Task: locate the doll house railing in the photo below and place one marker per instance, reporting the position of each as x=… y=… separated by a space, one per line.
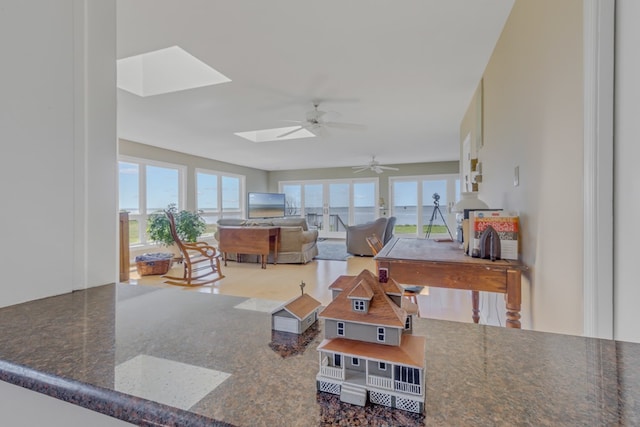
x=331 y=372
x=380 y=382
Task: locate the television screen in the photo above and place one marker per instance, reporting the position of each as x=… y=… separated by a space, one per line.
x=265 y=205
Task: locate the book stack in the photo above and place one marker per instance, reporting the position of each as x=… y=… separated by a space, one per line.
x=506 y=223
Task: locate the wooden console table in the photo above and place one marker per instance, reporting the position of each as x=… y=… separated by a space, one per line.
x=249 y=240
x=443 y=264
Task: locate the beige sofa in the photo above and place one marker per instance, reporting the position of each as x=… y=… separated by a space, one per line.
x=298 y=244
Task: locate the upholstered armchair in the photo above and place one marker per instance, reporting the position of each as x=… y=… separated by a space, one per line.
x=357 y=236
x=388 y=231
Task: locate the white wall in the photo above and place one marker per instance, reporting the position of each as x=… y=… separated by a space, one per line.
x=533 y=119
x=58 y=132
x=626 y=175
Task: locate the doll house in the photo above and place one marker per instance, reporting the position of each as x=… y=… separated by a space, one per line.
x=369 y=352
x=296 y=315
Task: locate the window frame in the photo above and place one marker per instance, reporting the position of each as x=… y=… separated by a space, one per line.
x=214 y=215
x=359 y=305
x=452 y=195
x=340 y=329
x=324 y=211
x=381 y=332
x=143 y=211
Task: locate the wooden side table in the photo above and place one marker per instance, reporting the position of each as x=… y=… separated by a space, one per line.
x=425 y=262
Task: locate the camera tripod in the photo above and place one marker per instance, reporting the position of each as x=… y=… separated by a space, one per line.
x=434 y=214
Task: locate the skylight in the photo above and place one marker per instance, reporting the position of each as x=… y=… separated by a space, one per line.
x=164 y=71
x=266 y=135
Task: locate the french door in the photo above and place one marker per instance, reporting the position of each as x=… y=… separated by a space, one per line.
x=422 y=205
x=330 y=205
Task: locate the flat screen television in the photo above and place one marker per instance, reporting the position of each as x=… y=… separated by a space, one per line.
x=265 y=205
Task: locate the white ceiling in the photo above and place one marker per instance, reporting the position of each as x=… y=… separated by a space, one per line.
x=405 y=69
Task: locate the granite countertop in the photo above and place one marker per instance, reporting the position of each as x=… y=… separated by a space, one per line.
x=220 y=362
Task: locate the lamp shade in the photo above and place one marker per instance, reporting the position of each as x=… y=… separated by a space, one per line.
x=469 y=201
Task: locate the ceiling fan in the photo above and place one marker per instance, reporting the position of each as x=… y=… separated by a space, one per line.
x=315 y=123
x=373 y=165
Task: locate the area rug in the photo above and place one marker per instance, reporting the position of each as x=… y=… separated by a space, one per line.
x=335 y=250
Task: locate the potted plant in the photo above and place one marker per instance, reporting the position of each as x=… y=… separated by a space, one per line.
x=189 y=226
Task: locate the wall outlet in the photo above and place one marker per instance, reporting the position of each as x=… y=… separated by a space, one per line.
x=516 y=176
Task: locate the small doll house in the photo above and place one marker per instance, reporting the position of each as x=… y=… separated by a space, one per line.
x=369 y=352
x=296 y=315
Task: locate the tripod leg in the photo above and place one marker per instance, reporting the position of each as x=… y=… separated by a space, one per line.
x=445 y=223
x=433 y=216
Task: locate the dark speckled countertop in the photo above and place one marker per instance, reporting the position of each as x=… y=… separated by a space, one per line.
x=69 y=347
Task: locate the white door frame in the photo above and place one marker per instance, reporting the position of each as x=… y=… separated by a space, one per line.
x=599 y=23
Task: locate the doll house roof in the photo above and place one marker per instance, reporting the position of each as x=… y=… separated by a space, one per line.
x=411 y=352
x=382 y=310
x=361 y=291
x=300 y=307
x=391 y=287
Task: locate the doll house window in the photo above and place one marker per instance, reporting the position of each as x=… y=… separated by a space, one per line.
x=340 y=330
x=381 y=335
x=358 y=305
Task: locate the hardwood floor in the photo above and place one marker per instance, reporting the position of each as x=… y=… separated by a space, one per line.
x=282 y=282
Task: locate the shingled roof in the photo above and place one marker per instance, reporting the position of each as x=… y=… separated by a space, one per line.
x=300 y=307
x=361 y=291
x=410 y=352
x=382 y=311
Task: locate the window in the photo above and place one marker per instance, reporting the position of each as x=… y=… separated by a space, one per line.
x=406 y=374
x=163 y=187
x=337 y=360
x=293 y=199
x=146 y=187
x=414 y=205
x=381 y=334
x=355 y=361
x=382 y=366
x=341 y=328
x=219 y=195
x=358 y=305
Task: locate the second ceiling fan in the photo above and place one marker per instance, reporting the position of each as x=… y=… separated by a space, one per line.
x=374 y=166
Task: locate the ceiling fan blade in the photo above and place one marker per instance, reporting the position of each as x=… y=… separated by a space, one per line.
x=388 y=168
x=293 y=121
x=348 y=126
x=320 y=131
x=359 y=169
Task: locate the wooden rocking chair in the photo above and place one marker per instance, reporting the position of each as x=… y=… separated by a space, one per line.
x=201 y=261
x=374 y=243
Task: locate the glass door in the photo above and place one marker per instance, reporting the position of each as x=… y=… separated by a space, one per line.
x=329 y=206
x=336 y=213
x=422 y=205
